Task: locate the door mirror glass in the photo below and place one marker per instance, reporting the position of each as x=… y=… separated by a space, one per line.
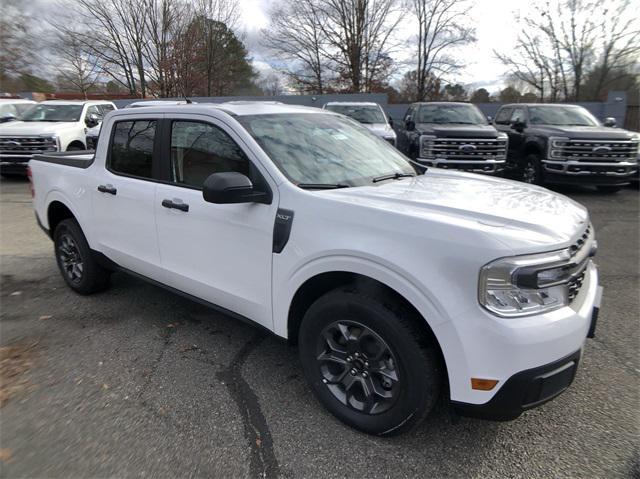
x=610 y=122
x=489 y=118
x=231 y=187
x=391 y=122
x=92 y=120
x=410 y=125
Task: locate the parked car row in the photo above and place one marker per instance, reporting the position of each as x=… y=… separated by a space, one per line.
x=536 y=143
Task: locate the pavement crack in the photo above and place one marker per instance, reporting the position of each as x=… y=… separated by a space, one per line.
x=263 y=459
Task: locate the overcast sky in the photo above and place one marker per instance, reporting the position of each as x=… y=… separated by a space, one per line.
x=496 y=28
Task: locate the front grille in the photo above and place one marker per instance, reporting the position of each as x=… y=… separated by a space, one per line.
x=26 y=145
x=575 y=283
x=599 y=151
x=469 y=149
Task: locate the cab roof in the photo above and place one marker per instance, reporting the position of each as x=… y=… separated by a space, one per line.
x=75 y=102
x=235 y=108
x=352 y=103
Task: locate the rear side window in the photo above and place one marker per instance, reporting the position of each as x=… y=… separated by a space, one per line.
x=131 y=151
x=502 y=118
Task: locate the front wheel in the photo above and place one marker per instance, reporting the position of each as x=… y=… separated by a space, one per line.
x=368 y=362
x=75 y=260
x=531 y=170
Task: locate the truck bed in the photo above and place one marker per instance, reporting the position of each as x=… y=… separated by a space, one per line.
x=76 y=159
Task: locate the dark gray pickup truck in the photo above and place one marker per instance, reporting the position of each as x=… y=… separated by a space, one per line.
x=551 y=143
x=452 y=135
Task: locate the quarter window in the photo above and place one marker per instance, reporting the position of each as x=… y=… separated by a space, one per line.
x=200 y=149
x=131 y=151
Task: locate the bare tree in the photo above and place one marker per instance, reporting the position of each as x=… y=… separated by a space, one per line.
x=271 y=84
x=77 y=67
x=441 y=27
x=296 y=37
x=359 y=37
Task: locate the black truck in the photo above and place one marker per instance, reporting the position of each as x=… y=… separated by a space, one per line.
x=553 y=143
x=452 y=135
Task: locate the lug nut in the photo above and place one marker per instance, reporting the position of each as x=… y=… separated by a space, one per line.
x=325 y=381
x=365 y=374
x=349 y=359
x=353 y=372
x=366 y=364
x=357 y=355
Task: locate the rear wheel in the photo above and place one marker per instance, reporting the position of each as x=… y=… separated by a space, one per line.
x=75 y=260
x=368 y=363
x=531 y=170
x=608 y=189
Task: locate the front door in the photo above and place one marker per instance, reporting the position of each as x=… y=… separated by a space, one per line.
x=221 y=253
x=123 y=198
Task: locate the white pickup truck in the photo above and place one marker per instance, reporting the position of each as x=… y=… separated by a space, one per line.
x=397 y=288
x=53 y=125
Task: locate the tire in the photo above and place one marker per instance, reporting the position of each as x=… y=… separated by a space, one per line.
x=75 y=148
x=531 y=170
x=405 y=352
x=609 y=190
x=78 y=267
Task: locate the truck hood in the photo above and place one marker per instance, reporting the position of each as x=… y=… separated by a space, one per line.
x=36 y=127
x=520 y=216
x=457 y=131
x=583 y=132
x=380 y=129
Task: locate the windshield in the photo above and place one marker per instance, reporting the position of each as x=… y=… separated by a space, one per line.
x=561 y=116
x=362 y=113
x=452 y=113
x=324 y=149
x=53 y=113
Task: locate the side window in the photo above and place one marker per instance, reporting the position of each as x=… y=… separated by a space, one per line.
x=409 y=114
x=518 y=114
x=131 y=150
x=106 y=108
x=200 y=149
x=502 y=118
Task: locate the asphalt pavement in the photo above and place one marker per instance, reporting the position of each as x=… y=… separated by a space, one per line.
x=139 y=382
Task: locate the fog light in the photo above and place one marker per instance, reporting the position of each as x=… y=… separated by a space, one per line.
x=483 y=384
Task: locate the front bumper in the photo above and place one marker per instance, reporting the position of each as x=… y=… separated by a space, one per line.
x=525 y=355
x=596 y=173
x=14 y=165
x=525 y=390
x=490 y=167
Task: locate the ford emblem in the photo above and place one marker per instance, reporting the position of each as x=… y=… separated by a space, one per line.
x=467 y=148
x=602 y=149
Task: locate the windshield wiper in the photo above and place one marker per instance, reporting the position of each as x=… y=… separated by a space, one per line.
x=321 y=186
x=393 y=176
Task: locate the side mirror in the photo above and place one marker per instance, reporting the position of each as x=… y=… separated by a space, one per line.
x=610 y=122
x=489 y=118
x=391 y=122
x=410 y=125
x=92 y=120
x=518 y=125
x=7 y=118
x=232 y=187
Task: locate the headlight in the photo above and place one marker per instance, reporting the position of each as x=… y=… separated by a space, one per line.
x=426 y=146
x=502 y=136
x=556 y=147
x=53 y=142
x=530 y=284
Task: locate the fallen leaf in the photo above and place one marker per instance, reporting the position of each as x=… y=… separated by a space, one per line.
x=16 y=293
x=258 y=442
x=44 y=317
x=5 y=455
x=105 y=386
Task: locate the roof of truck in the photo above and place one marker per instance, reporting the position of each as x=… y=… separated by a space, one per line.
x=235 y=108
x=352 y=103
x=75 y=102
x=512 y=105
x=15 y=100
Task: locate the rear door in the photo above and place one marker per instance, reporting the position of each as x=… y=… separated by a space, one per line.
x=124 y=194
x=221 y=253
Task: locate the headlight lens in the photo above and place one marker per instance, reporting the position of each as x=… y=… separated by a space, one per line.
x=426 y=146
x=524 y=285
x=556 y=147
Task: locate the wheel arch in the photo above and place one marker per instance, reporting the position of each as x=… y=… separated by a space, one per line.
x=76 y=143
x=532 y=147
x=319 y=284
